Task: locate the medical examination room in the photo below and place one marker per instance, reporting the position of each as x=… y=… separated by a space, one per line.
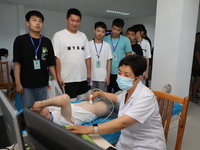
x=99 y=75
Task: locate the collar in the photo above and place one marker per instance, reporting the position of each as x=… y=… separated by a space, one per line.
x=136 y=91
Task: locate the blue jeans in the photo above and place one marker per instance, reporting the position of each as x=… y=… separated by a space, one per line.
x=31 y=95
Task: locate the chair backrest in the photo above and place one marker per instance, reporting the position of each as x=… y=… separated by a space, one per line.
x=4 y=73
x=166 y=102
x=5 y=80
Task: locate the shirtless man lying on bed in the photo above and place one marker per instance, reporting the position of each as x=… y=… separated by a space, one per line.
x=66 y=113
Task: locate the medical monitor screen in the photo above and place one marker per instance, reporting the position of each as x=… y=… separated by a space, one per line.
x=12 y=121
x=48 y=135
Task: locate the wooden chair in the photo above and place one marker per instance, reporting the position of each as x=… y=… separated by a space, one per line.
x=165 y=102
x=5 y=80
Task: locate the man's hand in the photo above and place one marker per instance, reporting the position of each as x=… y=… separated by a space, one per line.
x=89 y=80
x=19 y=89
x=146 y=75
x=61 y=83
x=107 y=81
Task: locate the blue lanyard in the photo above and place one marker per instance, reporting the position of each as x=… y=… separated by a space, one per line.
x=140 y=42
x=98 y=54
x=36 y=49
x=114 y=47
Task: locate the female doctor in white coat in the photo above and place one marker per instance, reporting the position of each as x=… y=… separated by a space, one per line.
x=138 y=118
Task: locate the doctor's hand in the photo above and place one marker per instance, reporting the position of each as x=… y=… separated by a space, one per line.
x=81 y=129
x=93 y=95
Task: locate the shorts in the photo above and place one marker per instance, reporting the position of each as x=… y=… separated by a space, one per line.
x=74 y=89
x=196 y=72
x=79 y=116
x=110 y=108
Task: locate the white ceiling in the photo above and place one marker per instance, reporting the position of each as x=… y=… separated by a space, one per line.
x=95 y=8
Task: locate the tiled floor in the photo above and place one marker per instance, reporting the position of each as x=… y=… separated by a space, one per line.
x=191 y=139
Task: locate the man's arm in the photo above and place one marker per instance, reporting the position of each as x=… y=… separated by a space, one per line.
x=128 y=53
x=88 y=66
x=19 y=88
x=62 y=101
x=107 y=80
x=58 y=73
x=53 y=72
x=147 y=69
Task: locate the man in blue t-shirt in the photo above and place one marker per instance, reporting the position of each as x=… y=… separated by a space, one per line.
x=121 y=47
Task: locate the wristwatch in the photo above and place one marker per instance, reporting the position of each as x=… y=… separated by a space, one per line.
x=95 y=128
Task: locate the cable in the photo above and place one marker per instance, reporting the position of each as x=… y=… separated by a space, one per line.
x=96 y=89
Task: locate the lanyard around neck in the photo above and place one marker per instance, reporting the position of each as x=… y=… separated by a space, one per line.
x=98 y=52
x=140 y=42
x=114 y=46
x=36 y=49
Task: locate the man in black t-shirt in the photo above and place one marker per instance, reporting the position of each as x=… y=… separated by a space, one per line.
x=131 y=35
x=33 y=57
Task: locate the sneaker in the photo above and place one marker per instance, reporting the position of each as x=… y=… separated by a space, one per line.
x=195 y=98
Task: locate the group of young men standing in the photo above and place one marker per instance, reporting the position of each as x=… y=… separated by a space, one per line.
x=74 y=62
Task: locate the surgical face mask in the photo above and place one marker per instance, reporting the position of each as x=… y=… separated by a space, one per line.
x=124 y=83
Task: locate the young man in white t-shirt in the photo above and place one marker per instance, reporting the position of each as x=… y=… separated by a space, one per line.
x=101 y=55
x=73 y=60
x=145 y=48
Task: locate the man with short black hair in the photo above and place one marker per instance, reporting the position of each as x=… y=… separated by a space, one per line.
x=132 y=34
x=33 y=55
x=146 y=49
x=121 y=47
x=73 y=60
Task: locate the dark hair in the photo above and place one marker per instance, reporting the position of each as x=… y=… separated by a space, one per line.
x=145 y=31
x=3 y=52
x=100 y=24
x=136 y=28
x=34 y=13
x=197 y=33
x=137 y=63
x=118 y=23
x=142 y=27
x=73 y=11
x=130 y=29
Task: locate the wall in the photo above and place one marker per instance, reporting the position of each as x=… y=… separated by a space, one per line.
x=8 y=27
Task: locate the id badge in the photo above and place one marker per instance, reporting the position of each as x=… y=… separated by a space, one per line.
x=36 y=64
x=98 y=64
x=114 y=57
